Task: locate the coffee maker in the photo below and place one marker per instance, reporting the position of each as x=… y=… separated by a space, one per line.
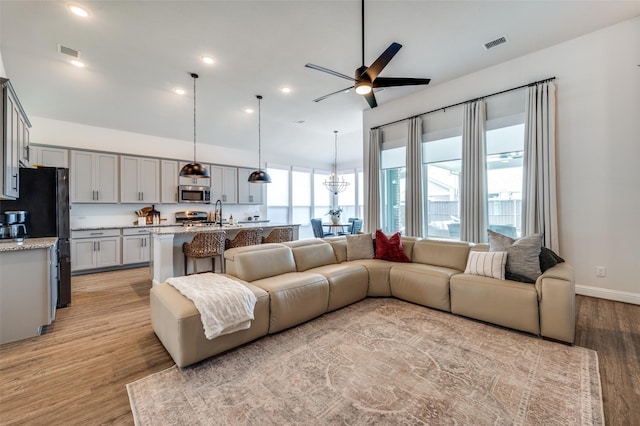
x=13 y=226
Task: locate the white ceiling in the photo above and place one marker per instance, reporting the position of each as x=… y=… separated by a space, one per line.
x=137 y=52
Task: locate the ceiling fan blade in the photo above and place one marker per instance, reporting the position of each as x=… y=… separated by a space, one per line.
x=371 y=99
x=399 y=81
x=331 y=94
x=382 y=61
x=328 y=71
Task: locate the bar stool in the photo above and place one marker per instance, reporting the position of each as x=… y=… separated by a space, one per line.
x=279 y=235
x=203 y=245
x=245 y=237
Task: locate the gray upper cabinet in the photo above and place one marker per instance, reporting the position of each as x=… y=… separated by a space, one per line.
x=248 y=193
x=224 y=184
x=49 y=156
x=139 y=180
x=169 y=181
x=93 y=177
x=14 y=130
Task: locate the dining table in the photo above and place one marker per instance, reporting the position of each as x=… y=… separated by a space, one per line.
x=336 y=227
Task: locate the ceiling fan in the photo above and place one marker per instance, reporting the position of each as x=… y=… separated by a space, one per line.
x=366 y=78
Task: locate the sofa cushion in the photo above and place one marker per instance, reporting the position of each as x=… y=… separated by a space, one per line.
x=390 y=248
x=426 y=285
x=523 y=253
x=448 y=254
x=295 y=297
x=311 y=253
x=359 y=247
x=255 y=262
x=339 y=245
x=487 y=264
x=348 y=283
x=378 y=276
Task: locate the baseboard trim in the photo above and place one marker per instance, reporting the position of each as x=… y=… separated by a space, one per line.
x=603 y=293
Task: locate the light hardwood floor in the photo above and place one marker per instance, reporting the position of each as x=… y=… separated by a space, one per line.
x=76 y=373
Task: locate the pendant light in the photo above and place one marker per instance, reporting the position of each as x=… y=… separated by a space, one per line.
x=194 y=170
x=259 y=176
x=334 y=183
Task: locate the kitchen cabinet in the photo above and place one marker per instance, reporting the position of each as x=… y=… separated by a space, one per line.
x=169 y=181
x=139 y=180
x=135 y=246
x=224 y=184
x=14 y=130
x=95 y=249
x=192 y=181
x=49 y=156
x=248 y=193
x=94 y=177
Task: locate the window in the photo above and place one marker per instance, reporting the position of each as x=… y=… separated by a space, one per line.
x=504 y=178
x=301 y=201
x=278 y=196
x=393 y=184
x=347 y=198
x=321 y=195
x=441 y=173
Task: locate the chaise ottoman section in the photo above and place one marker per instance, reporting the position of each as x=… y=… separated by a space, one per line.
x=508 y=303
x=295 y=297
x=425 y=285
x=176 y=322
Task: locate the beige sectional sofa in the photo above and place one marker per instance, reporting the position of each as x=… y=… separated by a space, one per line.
x=301 y=280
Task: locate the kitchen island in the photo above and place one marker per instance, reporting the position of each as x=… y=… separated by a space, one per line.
x=28 y=288
x=167 y=259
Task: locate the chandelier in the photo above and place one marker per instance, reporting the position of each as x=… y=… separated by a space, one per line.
x=335 y=183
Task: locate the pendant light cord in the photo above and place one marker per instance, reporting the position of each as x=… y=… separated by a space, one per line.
x=335 y=156
x=195 y=76
x=259 y=135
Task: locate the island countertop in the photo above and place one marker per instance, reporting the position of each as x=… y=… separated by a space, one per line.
x=178 y=229
x=28 y=244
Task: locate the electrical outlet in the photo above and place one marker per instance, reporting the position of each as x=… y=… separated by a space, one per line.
x=601 y=271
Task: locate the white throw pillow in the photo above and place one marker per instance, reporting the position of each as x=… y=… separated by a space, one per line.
x=487 y=264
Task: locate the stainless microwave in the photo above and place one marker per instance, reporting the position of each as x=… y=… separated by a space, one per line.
x=194 y=194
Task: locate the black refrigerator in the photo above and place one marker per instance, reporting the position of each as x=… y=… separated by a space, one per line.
x=44 y=194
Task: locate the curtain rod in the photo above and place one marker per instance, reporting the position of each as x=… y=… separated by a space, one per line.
x=464 y=102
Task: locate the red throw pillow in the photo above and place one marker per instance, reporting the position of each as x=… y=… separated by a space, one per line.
x=390 y=248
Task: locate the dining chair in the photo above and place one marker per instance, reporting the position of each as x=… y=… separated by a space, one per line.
x=318 y=232
x=203 y=245
x=356 y=226
x=350 y=228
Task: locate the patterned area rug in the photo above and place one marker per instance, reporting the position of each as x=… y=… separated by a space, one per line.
x=380 y=361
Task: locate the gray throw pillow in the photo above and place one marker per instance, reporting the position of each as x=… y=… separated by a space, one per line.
x=523 y=253
x=360 y=246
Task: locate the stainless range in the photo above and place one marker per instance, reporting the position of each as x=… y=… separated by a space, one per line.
x=194 y=218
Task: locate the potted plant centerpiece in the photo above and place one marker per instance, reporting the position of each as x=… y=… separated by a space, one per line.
x=335 y=215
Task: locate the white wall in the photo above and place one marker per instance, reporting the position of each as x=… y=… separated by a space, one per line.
x=598 y=101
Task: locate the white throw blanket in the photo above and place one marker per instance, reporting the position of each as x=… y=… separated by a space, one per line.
x=224 y=304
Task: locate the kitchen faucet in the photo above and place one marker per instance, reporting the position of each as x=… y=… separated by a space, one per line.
x=216 y=208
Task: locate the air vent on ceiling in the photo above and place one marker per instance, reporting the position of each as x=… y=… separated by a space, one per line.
x=493 y=43
x=68 y=51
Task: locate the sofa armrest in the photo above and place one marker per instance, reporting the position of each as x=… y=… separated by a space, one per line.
x=556 y=300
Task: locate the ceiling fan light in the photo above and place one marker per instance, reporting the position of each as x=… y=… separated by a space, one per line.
x=363 y=88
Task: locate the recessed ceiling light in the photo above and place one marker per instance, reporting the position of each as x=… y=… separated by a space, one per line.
x=285 y=90
x=207 y=60
x=179 y=91
x=78 y=10
x=77 y=63
x=248 y=110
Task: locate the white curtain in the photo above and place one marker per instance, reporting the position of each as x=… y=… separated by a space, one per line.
x=372 y=220
x=413 y=206
x=539 y=204
x=473 y=182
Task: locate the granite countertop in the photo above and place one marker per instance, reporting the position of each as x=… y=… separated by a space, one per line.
x=214 y=228
x=93 y=228
x=27 y=244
